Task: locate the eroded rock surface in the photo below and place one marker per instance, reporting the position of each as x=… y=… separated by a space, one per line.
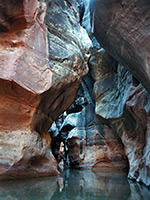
x=42 y=62
x=91 y=144
x=122 y=28
x=123 y=104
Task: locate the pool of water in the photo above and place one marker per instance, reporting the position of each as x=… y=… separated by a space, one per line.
x=75 y=185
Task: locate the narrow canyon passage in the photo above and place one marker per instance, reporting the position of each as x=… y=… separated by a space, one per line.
x=74 y=99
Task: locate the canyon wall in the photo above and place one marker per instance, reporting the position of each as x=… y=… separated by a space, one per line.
x=91 y=144
x=122 y=28
x=44 y=54
x=120 y=75
x=43 y=57
x=123 y=104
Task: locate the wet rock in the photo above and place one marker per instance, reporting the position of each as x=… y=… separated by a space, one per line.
x=122 y=28
x=42 y=62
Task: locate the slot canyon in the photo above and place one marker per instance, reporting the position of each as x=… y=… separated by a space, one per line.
x=74 y=95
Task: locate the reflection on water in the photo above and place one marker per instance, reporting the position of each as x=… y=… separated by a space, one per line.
x=75 y=185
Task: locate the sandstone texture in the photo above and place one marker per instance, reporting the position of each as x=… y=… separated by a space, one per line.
x=123 y=104
x=121 y=96
x=91 y=144
x=43 y=57
x=122 y=28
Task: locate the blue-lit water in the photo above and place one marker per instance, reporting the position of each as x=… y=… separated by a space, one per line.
x=75 y=185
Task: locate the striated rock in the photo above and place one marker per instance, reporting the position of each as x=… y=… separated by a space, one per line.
x=24 y=155
x=91 y=144
x=122 y=28
x=41 y=67
x=138 y=153
x=69 y=47
x=123 y=104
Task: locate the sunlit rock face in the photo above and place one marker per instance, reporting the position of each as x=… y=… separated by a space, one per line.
x=123 y=104
x=43 y=57
x=122 y=27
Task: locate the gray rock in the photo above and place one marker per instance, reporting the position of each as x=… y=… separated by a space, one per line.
x=122 y=28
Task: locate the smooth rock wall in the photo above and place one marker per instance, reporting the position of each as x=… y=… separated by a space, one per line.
x=122 y=28
x=123 y=104
x=43 y=57
x=91 y=144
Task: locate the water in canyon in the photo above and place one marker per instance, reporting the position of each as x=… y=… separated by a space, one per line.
x=75 y=185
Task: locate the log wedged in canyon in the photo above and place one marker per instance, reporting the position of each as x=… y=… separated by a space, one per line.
x=41 y=67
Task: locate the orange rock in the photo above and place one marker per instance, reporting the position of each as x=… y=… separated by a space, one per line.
x=31 y=94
